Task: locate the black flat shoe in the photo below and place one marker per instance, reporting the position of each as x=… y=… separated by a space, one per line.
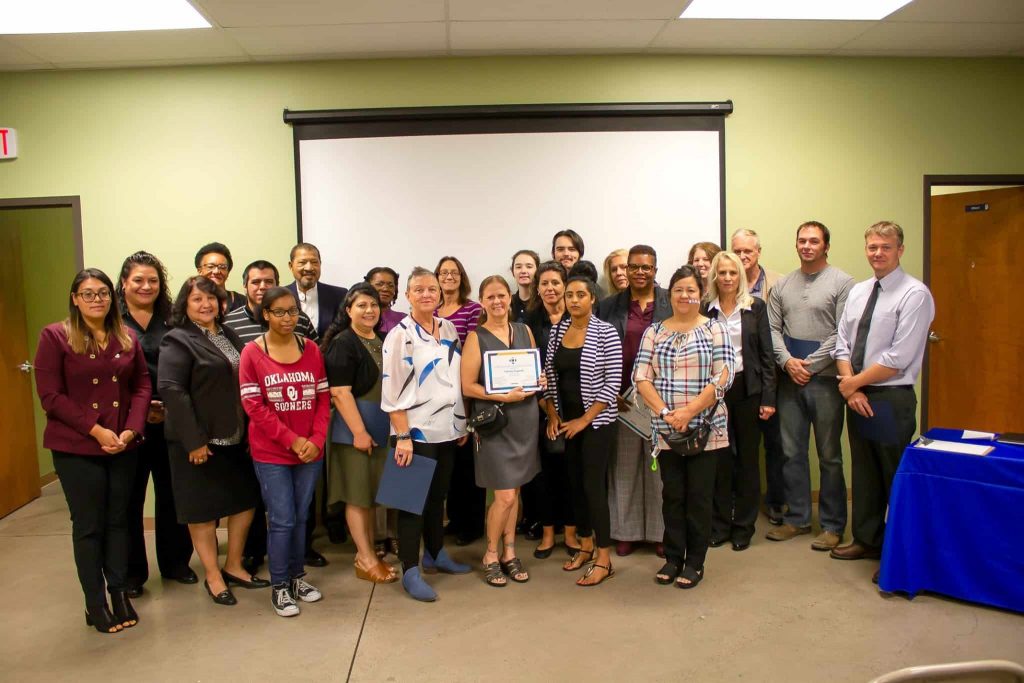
x=314 y=559
x=740 y=547
x=543 y=553
x=134 y=591
x=100 y=618
x=186 y=576
x=225 y=597
x=125 y=614
x=253 y=581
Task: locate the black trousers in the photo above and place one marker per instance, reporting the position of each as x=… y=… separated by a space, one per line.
x=876 y=457
x=738 y=474
x=98 y=489
x=466 y=500
x=775 y=496
x=689 y=482
x=429 y=525
x=587 y=456
x=173 y=543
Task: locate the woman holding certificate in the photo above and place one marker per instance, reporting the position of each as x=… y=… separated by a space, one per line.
x=583 y=364
x=506 y=456
x=421 y=390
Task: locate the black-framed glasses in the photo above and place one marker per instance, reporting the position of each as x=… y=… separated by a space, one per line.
x=292 y=312
x=644 y=268
x=88 y=296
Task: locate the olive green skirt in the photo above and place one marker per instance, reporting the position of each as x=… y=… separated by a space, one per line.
x=353 y=475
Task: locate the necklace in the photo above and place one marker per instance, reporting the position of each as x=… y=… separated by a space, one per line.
x=580 y=327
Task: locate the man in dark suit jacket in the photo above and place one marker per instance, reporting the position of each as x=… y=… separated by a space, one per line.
x=635 y=491
x=318 y=300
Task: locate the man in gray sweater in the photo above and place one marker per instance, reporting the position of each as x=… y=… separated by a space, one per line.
x=804 y=308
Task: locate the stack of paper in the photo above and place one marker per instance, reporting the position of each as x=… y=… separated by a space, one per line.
x=954 y=447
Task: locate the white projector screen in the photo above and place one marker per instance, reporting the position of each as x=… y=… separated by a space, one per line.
x=407 y=200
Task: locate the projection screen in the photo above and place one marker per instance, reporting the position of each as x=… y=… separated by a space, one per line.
x=405 y=187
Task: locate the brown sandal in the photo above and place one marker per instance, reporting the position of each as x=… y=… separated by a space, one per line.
x=576 y=562
x=590 y=570
x=379 y=573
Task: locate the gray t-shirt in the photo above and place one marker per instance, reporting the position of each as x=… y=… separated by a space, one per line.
x=807 y=308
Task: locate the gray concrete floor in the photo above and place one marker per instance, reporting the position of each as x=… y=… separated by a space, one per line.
x=777 y=612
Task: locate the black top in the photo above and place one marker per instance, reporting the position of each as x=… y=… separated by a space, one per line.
x=349 y=364
x=615 y=309
x=199 y=387
x=518 y=309
x=149 y=340
x=758 y=354
x=539 y=323
x=567 y=365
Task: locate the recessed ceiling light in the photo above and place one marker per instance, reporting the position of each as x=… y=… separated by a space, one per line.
x=90 y=16
x=863 y=10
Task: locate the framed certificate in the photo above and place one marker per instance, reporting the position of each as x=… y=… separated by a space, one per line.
x=506 y=370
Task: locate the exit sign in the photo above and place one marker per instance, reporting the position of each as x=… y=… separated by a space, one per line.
x=8 y=143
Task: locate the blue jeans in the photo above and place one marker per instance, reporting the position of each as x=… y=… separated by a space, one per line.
x=820 y=404
x=287 y=491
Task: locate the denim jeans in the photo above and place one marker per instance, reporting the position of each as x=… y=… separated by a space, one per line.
x=287 y=490
x=818 y=404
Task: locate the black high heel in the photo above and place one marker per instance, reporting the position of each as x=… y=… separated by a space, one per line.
x=100 y=618
x=123 y=610
x=225 y=597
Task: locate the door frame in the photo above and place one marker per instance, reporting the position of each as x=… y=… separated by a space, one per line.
x=931 y=181
x=74 y=202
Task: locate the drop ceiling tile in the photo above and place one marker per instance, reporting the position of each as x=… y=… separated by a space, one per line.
x=557 y=35
x=341 y=39
x=729 y=34
x=252 y=13
x=995 y=11
x=128 y=46
x=562 y=10
x=12 y=56
x=949 y=38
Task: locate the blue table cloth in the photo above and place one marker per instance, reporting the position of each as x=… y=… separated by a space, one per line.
x=956 y=524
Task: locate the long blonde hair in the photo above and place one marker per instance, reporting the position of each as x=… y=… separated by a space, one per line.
x=79 y=338
x=743 y=297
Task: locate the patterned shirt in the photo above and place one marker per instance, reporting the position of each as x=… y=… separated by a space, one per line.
x=244 y=324
x=422 y=376
x=465 y=319
x=225 y=346
x=600 y=368
x=681 y=365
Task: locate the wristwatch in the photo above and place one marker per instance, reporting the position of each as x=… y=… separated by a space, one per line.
x=403 y=436
x=664 y=411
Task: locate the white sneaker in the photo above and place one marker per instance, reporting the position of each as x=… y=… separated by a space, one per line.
x=305 y=591
x=284 y=603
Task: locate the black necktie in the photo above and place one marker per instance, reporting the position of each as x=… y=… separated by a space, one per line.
x=863 y=327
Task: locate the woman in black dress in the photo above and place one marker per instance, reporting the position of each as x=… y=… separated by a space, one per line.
x=212 y=474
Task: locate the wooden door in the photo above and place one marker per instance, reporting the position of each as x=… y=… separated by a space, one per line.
x=19 y=466
x=976 y=351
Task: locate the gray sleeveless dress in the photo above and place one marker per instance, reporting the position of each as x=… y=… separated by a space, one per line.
x=508 y=459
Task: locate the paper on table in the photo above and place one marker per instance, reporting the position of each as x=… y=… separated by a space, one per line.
x=954 y=447
x=971 y=434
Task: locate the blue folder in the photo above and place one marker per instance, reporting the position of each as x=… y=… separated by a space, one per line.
x=405 y=488
x=883 y=427
x=376 y=421
x=800 y=348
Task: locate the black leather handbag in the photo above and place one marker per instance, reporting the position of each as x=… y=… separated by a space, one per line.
x=695 y=439
x=488 y=420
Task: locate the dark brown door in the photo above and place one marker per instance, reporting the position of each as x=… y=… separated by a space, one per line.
x=976 y=350
x=19 y=466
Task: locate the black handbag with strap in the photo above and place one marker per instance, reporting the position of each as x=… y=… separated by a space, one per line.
x=490 y=419
x=694 y=439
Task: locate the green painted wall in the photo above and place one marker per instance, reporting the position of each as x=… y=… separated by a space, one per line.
x=167 y=159
x=48 y=263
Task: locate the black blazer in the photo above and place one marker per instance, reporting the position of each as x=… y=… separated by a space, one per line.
x=615 y=309
x=349 y=364
x=328 y=298
x=758 y=355
x=198 y=386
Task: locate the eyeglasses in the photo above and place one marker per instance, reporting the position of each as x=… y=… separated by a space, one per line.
x=218 y=267
x=383 y=285
x=644 y=268
x=447 y=273
x=88 y=296
x=282 y=312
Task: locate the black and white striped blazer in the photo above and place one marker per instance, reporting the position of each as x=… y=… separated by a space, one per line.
x=600 y=367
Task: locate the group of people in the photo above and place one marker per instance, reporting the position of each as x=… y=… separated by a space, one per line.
x=644 y=427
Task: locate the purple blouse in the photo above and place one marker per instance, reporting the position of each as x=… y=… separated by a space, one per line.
x=389 y=318
x=465 y=319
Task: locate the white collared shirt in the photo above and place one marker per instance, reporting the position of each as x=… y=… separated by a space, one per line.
x=310 y=304
x=734 y=325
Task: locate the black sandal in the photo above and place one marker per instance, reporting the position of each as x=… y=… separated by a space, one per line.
x=692 y=575
x=590 y=570
x=576 y=556
x=100 y=618
x=667 y=574
x=493 y=576
x=514 y=568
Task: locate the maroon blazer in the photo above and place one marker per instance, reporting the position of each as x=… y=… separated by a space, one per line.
x=79 y=390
